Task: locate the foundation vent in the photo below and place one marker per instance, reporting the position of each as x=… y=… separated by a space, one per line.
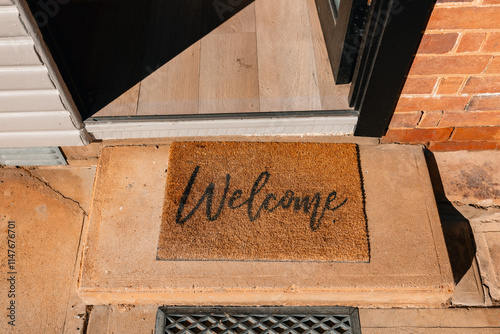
x=260 y=320
x=32 y=156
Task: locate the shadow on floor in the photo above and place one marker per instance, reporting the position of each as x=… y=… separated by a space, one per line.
x=105 y=47
x=456 y=228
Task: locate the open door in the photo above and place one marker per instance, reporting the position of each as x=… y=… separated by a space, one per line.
x=343 y=23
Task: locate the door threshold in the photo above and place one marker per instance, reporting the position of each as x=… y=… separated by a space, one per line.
x=337 y=122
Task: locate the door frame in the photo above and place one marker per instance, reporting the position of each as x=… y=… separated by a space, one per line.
x=342 y=30
x=394 y=29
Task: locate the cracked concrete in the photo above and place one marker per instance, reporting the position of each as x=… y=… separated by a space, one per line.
x=471 y=182
x=48 y=226
x=485 y=227
x=79 y=189
x=487 y=237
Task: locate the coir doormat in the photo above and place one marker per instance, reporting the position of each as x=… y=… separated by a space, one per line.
x=263 y=202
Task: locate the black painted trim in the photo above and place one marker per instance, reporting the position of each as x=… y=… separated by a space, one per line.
x=342 y=33
x=390 y=41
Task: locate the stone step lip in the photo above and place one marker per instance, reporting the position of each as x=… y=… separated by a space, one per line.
x=408 y=266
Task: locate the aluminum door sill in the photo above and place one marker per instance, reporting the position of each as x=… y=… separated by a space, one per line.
x=339 y=123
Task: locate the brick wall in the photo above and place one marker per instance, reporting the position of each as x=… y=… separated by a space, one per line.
x=451 y=99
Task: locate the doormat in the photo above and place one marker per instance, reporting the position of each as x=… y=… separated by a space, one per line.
x=263 y=202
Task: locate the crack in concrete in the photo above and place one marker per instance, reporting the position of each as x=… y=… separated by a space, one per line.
x=476 y=206
x=77 y=268
x=54 y=190
x=487 y=294
x=482 y=207
x=86 y=318
x=83 y=159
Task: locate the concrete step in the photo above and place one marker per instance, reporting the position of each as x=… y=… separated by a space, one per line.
x=141 y=319
x=408 y=266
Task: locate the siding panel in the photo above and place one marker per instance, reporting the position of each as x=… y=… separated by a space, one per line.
x=10 y=23
x=25 y=77
x=42 y=100
x=32 y=113
x=42 y=138
x=18 y=51
x=31 y=121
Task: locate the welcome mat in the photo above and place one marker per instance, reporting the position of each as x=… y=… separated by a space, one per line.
x=263 y=202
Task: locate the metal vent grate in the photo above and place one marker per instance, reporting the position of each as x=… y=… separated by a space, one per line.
x=32 y=156
x=261 y=320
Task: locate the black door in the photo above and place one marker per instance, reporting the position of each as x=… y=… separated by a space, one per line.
x=342 y=22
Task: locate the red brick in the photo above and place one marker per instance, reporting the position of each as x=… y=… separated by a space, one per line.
x=471 y=42
x=407 y=120
x=471 y=119
x=491 y=2
x=417 y=135
x=486 y=103
x=430 y=119
x=420 y=85
x=437 y=43
x=480 y=85
x=450 y=85
x=439 y=103
x=462 y=145
x=460 y=1
x=492 y=43
x=464 y=18
x=494 y=66
x=488 y=133
x=459 y=64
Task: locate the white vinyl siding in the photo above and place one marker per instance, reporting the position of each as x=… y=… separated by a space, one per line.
x=10 y=23
x=35 y=120
x=34 y=105
x=30 y=100
x=41 y=138
x=17 y=51
x=25 y=78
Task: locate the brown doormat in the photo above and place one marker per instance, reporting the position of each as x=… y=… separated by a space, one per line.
x=263 y=202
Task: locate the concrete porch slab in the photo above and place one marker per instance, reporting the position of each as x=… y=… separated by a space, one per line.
x=409 y=264
x=42 y=225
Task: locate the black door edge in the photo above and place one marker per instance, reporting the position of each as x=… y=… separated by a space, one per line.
x=392 y=34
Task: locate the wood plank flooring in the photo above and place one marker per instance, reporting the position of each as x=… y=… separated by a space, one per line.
x=270 y=56
x=287 y=73
x=174 y=87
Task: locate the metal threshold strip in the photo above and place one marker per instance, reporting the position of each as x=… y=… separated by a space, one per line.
x=336 y=122
x=247 y=115
x=258 y=320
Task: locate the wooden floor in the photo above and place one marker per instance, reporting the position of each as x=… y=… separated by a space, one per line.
x=270 y=56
